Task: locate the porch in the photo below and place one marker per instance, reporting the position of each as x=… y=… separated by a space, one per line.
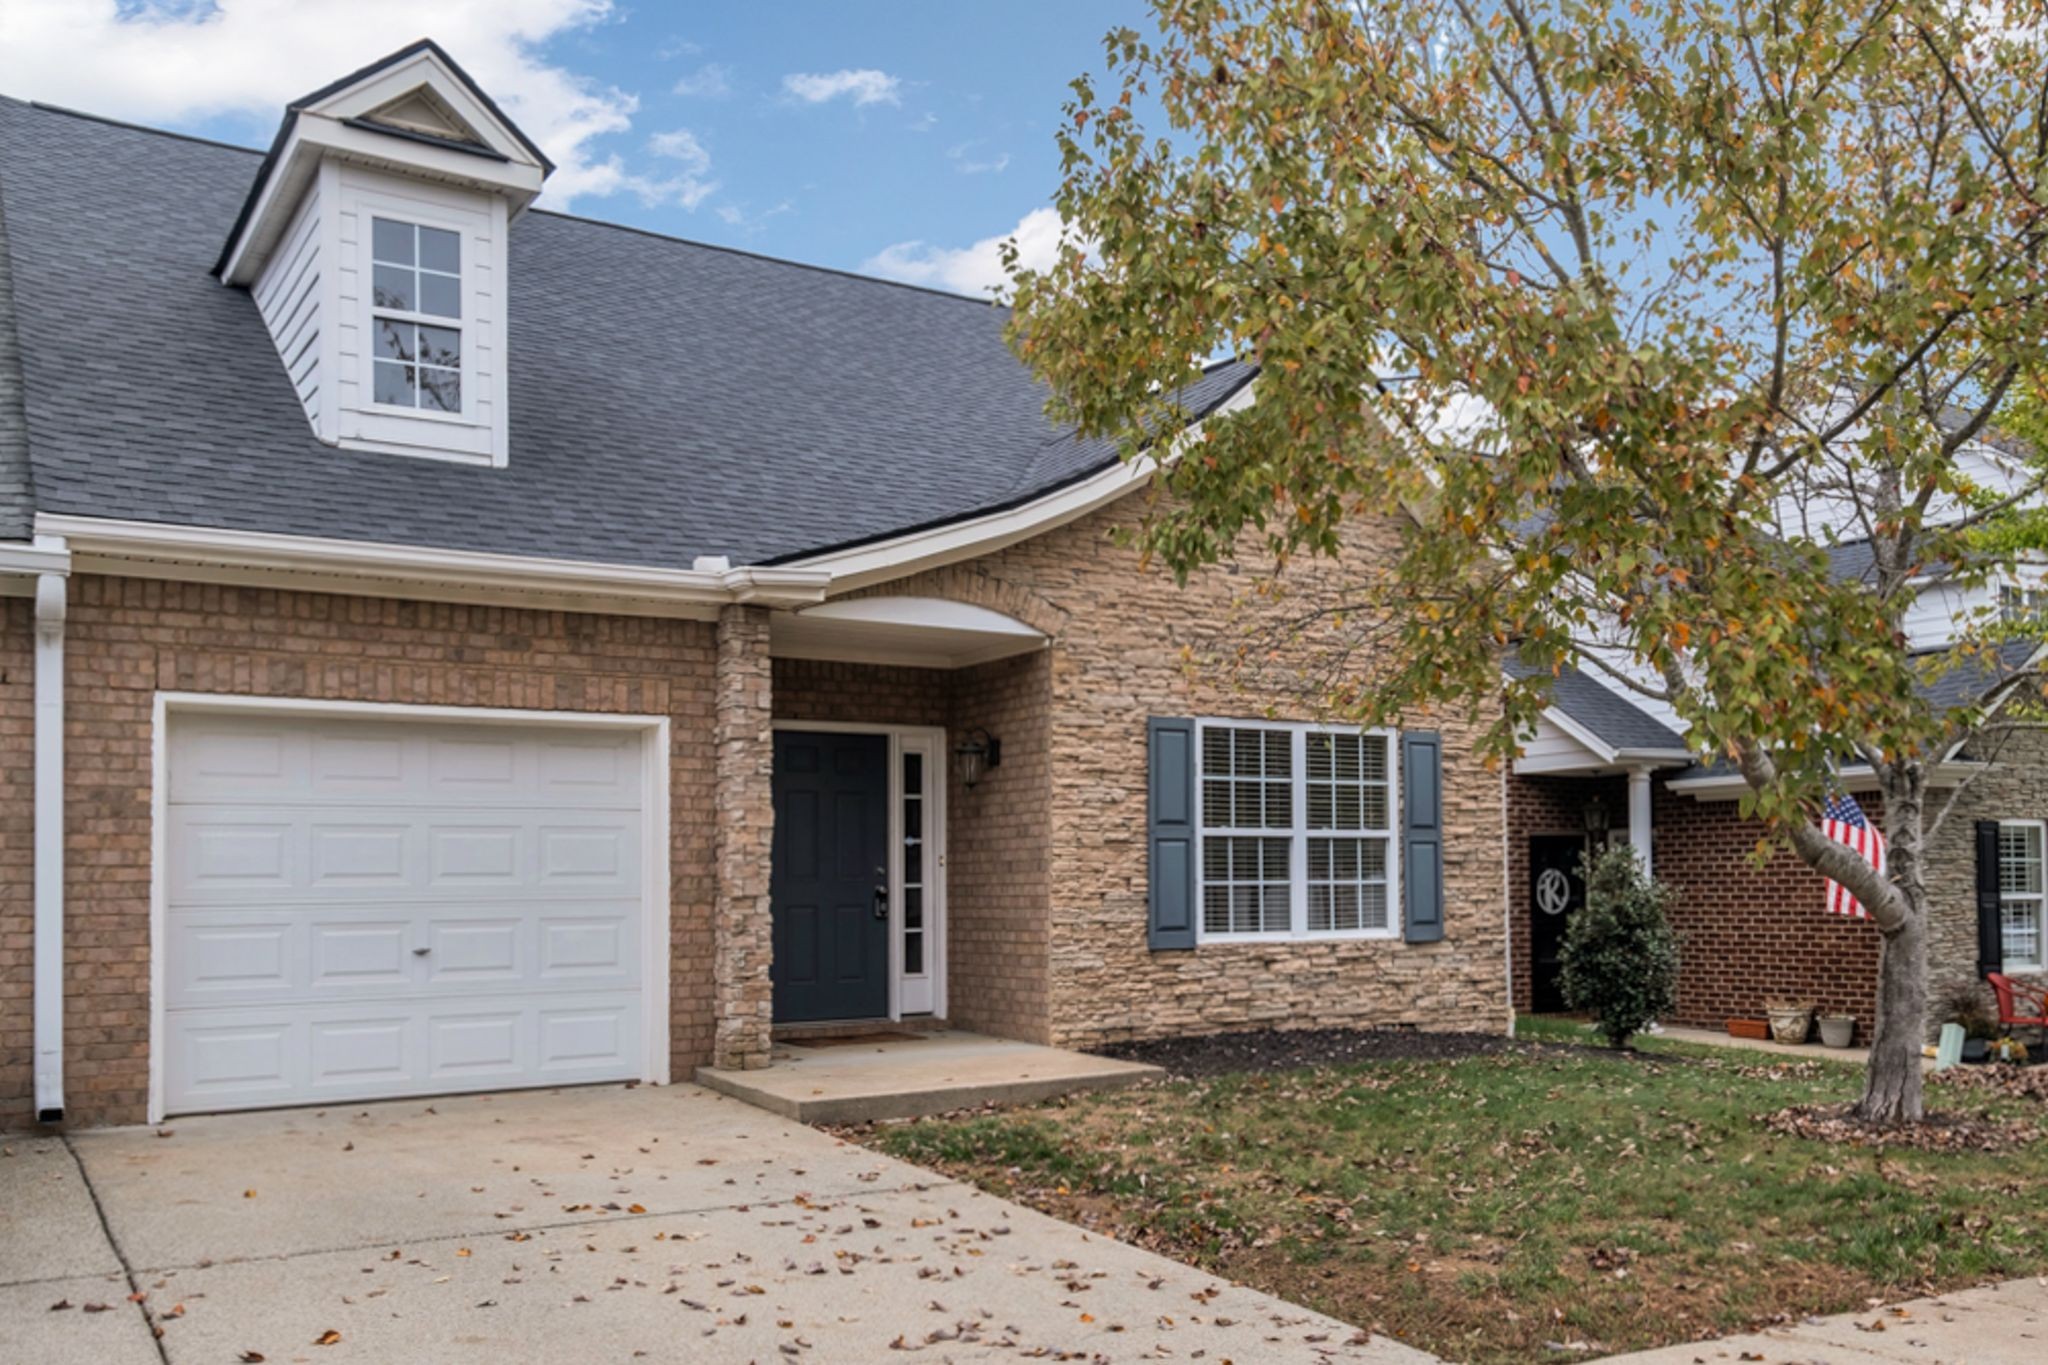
x=883 y=792
x=900 y=1075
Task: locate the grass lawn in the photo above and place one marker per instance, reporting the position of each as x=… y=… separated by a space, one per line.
x=1497 y=1207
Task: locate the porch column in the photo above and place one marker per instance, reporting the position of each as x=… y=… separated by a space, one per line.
x=1639 y=816
x=744 y=807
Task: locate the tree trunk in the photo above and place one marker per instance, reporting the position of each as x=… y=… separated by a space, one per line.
x=1891 y=1083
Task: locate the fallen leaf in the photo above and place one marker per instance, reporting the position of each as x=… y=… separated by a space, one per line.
x=330 y=1337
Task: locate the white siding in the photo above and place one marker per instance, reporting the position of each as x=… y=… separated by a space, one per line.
x=479 y=435
x=289 y=294
x=1550 y=749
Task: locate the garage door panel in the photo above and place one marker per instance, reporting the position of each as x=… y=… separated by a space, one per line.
x=360 y=909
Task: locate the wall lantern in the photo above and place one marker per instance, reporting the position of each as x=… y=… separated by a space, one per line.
x=1596 y=818
x=975 y=755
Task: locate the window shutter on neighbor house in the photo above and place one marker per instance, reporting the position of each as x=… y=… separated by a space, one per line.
x=1990 y=914
x=1422 y=836
x=1170 y=749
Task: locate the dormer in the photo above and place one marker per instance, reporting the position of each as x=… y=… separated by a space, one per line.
x=374 y=244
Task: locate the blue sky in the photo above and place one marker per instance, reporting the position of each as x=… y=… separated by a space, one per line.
x=903 y=139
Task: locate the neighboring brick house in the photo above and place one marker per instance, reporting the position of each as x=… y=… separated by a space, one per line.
x=455 y=646
x=1602 y=768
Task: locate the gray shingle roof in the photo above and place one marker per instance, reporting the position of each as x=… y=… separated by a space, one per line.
x=1619 y=722
x=669 y=399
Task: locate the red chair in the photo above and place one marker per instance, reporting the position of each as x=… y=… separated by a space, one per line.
x=2012 y=997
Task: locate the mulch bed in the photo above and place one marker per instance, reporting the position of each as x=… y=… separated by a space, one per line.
x=1837 y=1125
x=1289 y=1049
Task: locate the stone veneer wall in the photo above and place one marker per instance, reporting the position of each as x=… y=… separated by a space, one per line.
x=17 y=862
x=743 y=817
x=1543 y=805
x=2016 y=788
x=1120 y=635
x=127 y=638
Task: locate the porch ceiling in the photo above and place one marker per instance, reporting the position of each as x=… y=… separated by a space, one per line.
x=920 y=632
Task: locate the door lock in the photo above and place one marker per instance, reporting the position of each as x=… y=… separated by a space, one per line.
x=881 y=893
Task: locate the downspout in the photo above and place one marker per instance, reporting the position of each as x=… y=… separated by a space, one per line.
x=51 y=599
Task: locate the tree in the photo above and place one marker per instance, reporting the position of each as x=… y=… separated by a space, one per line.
x=1633 y=312
x=1620 y=956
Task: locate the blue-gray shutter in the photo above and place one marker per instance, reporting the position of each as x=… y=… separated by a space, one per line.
x=1422 y=836
x=1990 y=902
x=1170 y=762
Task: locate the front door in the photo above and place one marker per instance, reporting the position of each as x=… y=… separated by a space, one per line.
x=829 y=889
x=1556 y=890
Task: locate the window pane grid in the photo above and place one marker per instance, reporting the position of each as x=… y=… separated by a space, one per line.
x=1296 y=828
x=416 y=270
x=2020 y=865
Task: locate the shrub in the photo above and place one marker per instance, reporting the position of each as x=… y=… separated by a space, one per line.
x=1620 y=955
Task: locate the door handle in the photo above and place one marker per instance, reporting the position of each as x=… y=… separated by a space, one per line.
x=421 y=952
x=881 y=893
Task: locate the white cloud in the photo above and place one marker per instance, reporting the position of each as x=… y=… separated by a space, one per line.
x=689 y=187
x=866 y=86
x=163 y=61
x=965 y=162
x=712 y=81
x=975 y=269
x=681 y=145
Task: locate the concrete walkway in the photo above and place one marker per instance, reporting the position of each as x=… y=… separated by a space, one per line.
x=907 y=1076
x=2004 y=1324
x=593 y=1225
x=1800 y=1052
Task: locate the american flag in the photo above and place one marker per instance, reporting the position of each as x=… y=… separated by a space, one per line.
x=1843 y=821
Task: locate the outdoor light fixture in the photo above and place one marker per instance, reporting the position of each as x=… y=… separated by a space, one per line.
x=976 y=754
x=1596 y=818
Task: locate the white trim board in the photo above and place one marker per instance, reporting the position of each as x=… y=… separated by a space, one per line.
x=655 y=929
x=265 y=559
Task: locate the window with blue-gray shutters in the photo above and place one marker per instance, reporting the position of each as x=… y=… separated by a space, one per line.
x=1295 y=831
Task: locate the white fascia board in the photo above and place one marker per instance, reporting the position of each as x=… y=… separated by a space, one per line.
x=47 y=554
x=315 y=137
x=1586 y=739
x=266 y=559
x=901 y=556
x=1858 y=778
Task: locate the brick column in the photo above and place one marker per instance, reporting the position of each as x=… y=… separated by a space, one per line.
x=745 y=811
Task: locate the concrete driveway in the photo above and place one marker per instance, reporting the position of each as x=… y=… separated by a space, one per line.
x=604 y=1224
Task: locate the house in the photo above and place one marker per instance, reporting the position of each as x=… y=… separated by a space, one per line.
x=451 y=645
x=1606 y=764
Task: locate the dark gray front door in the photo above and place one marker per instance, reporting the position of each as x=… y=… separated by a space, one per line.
x=1556 y=891
x=830 y=885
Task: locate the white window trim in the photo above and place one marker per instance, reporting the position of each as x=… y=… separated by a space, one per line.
x=1298 y=835
x=370 y=206
x=461 y=324
x=2040 y=899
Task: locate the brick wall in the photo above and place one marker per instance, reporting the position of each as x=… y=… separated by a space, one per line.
x=1543 y=805
x=998 y=843
x=861 y=694
x=1120 y=654
x=17 y=861
x=129 y=637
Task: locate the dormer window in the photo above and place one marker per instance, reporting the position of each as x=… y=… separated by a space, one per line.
x=416 y=306
x=374 y=245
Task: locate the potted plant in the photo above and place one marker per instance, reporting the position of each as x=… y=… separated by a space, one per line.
x=1969 y=1006
x=1790 y=1022
x=1838 y=1030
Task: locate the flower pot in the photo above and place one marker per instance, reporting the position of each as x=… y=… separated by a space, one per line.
x=1748 y=1028
x=1838 y=1030
x=1976 y=1050
x=1790 y=1025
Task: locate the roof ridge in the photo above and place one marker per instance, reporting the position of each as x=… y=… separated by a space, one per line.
x=48 y=108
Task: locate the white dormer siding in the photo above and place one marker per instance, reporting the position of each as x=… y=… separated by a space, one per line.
x=288 y=294
x=474 y=431
x=419 y=366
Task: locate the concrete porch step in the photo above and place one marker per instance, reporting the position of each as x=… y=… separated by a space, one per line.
x=901 y=1078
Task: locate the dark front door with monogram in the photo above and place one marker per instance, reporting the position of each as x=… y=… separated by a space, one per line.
x=829 y=891
x=1555 y=891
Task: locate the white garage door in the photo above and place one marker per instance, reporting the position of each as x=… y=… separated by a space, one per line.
x=357 y=909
